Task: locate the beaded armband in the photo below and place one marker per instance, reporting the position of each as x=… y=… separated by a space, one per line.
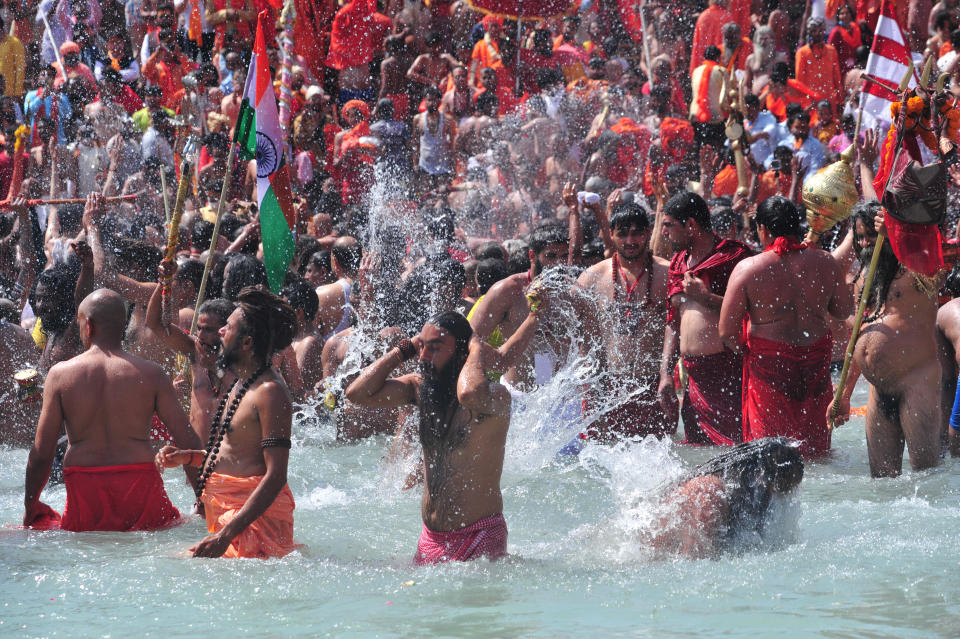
x=275 y=442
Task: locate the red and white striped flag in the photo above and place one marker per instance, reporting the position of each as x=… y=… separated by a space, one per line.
x=889 y=59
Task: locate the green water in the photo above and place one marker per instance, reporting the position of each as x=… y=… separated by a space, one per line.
x=856 y=558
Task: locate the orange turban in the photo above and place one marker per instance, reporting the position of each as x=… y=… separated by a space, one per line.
x=356 y=104
x=488 y=20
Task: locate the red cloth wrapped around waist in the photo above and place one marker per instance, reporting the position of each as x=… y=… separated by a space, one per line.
x=786 y=391
x=270 y=535
x=486 y=537
x=125 y=497
x=712 y=409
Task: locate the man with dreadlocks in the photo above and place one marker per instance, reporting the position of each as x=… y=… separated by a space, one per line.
x=248 y=505
x=897 y=353
x=463 y=431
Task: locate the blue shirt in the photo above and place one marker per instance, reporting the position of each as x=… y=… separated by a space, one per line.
x=811 y=154
x=762 y=150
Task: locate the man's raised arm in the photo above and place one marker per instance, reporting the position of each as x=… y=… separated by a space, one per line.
x=374 y=390
x=475 y=391
x=104 y=272
x=157 y=317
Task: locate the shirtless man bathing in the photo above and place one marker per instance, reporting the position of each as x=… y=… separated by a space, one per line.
x=463 y=431
x=786 y=292
x=243 y=471
x=106 y=399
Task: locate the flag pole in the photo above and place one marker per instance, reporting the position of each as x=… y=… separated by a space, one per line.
x=867 y=284
x=241 y=131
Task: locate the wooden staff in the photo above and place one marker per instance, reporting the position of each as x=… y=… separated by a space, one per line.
x=6 y=204
x=173 y=234
x=868 y=279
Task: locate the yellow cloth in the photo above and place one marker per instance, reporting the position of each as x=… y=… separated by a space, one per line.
x=13 y=66
x=271 y=535
x=495 y=340
x=38 y=335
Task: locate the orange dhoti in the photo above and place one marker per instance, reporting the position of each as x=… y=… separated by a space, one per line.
x=271 y=535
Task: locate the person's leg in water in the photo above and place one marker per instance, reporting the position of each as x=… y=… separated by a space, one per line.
x=884 y=436
x=920 y=417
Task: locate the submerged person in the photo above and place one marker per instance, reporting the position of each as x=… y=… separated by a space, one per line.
x=106 y=398
x=699 y=272
x=786 y=293
x=727 y=497
x=463 y=431
x=243 y=472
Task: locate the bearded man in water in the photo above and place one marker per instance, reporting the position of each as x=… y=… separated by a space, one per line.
x=627 y=319
x=786 y=292
x=699 y=272
x=243 y=472
x=106 y=399
x=463 y=431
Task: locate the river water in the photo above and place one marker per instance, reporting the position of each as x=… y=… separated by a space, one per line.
x=848 y=557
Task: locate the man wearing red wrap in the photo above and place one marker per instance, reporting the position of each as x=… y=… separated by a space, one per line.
x=786 y=293
x=699 y=272
x=106 y=398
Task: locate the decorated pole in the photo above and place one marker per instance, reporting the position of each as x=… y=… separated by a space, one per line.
x=241 y=131
x=173 y=234
x=5 y=204
x=287 y=17
x=868 y=279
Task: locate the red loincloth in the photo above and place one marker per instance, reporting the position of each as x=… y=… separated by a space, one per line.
x=127 y=497
x=484 y=538
x=271 y=535
x=786 y=391
x=712 y=405
x=639 y=416
x=714 y=269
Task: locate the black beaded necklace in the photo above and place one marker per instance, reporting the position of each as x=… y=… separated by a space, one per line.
x=218 y=428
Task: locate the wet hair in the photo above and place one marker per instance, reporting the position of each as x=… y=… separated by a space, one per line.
x=487 y=104
x=137 y=258
x=780 y=73
x=244 y=271
x=780 y=217
x=306 y=246
x=320 y=259
x=489 y=272
x=302 y=297
x=723 y=217
x=60 y=282
x=518 y=256
x=70 y=216
x=686 y=205
x=218 y=307
x=799 y=115
x=545 y=235
x=348 y=255
x=433 y=38
x=267 y=320
x=191 y=271
x=888 y=268
x=490 y=249
x=711 y=53
x=440 y=226
x=629 y=214
x=201 y=235
x=438 y=391
x=752 y=472
x=432 y=92
x=751 y=100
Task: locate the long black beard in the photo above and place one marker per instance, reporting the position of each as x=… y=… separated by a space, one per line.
x=226 y=359
x=437 y=401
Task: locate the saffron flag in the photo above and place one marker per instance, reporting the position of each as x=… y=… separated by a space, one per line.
x=260 y=137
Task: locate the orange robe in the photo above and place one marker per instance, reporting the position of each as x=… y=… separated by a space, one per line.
x=708 y=32
x=487 y=54
x=271 y=535
x=819 y=68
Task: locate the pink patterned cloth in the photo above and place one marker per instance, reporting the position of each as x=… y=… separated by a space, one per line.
x=484 y=538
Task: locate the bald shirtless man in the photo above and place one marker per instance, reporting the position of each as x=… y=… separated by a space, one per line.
x=699 y=271
x=786 y=292
x=627 y=320
x=106 y=399
x=243 y=471
x=334 y=310
x=463 y=430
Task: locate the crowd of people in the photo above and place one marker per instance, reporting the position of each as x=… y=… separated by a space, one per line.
x=493 y=200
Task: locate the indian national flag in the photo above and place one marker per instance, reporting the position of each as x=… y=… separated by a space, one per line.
x=259 y=136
